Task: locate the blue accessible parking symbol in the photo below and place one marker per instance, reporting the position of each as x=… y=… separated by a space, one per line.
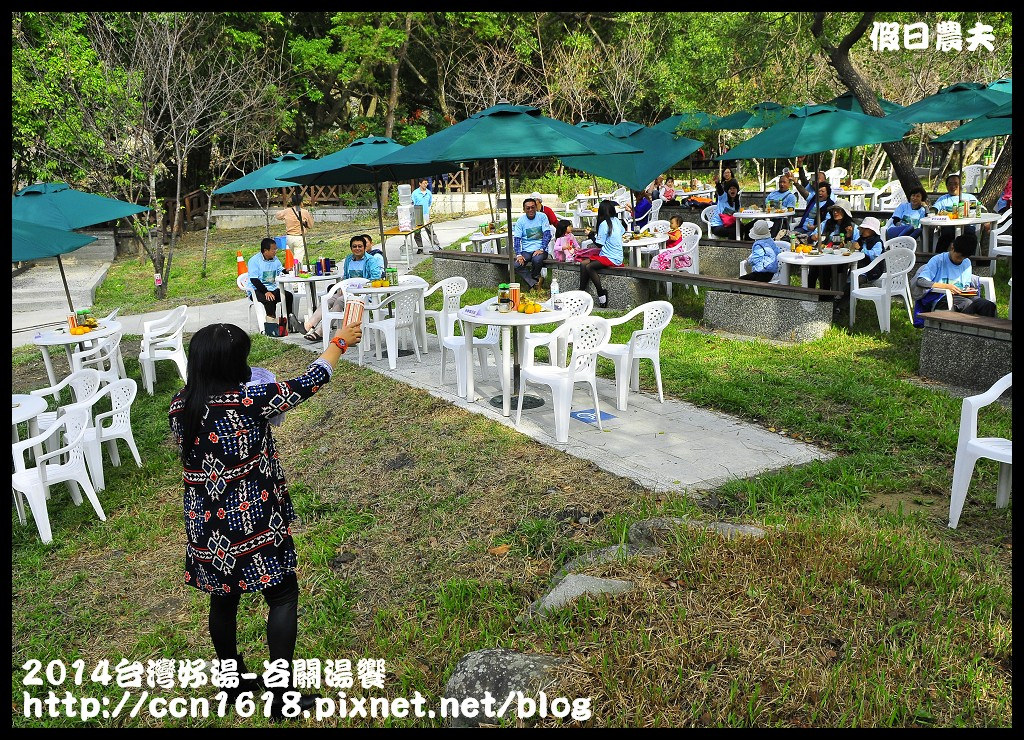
x=587 y=416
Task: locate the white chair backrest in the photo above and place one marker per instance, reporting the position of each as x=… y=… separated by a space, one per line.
x=166 y=331
x=862 y=184
x=834 y=175
x=338 y=287
x=405 y=302
x=773 y=184
x=783 y=245
x=894 y=198
x=898 y=262
x=412 y=280
x=902 y=242
x=971 y=178
x=705 y=215
x=122 y=395
x=103 y=357
x=688 y=229
x=242 y=281
x=577 y=303
x=588 y=334
x=655 y=209
x=453 y=286
x=661 y=226
x=657 y=315
x=75 y=421
x=1005 y=221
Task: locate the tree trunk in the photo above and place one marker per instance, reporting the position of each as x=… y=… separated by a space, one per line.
x=993 y=187
x=839 y=56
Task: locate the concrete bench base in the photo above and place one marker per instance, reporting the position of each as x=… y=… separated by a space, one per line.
x=773 y=318
x=624 y=293
x=478 y=274
x=964 y=350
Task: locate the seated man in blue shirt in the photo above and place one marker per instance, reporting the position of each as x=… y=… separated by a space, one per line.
x=950 y=271
x=781 y=198
x=949 y=202
x=530 y=236
x=263 y=271
x=359 y=264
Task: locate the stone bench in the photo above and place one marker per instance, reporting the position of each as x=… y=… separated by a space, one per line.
x=966 y=350
x=481 y=270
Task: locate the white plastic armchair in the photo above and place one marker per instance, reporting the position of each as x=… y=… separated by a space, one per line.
x=985 y=285
x=656 y=205
x=405 y=303
x=456 y=344
x=452 y=289
x=889 y=196
x=242 y=281
x=109 y=427
x=835 y=175
x=971 y=178
x=892 y=284
x=327 y=316
x=970 y=447
x=999 y=235
x=578 y=303
x=102 y=357
x=643 y=343
x=66 y=463
x=705 y=216
x=83 y=383
x=421 y=317
x=162 y=340
x=588 y=335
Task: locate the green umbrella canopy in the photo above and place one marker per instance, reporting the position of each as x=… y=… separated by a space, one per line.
x=848 y=101
x=814 y=129
x=266 y=177
x=357 y=163
x=997 y=122
x=594 y=128
x=958 y=102
x=59 y=206
x=761 y=115
x=1003 y=84
x=30 y=241
x=692 y=121
x=660 y=151
x=506 y=132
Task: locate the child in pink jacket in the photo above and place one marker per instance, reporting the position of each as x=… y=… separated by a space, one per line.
x=565 y=243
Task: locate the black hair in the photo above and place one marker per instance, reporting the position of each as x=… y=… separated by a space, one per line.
x=560 y=228
x=355 y=239
x=732 y=184
x=267 y=244
x=951 y=175
x=529 y=200
x=218 y=361
x=919 y=190
x=605 y=212
x=966 y=244
x=366 y=237
x=296 y=199
x=827 y=185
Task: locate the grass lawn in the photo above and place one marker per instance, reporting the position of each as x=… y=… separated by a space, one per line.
x=859 y=608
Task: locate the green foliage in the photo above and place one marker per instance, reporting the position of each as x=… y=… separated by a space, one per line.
x=565 y=185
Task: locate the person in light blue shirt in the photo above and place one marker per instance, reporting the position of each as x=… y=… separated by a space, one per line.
x=838 y=227
x=949 y=202
x=763 y=261
x=530 y=235
x=781 y=198
x=361 y=263
x=608 y=234
x=264 y=268
x=728 y=204
x=950 y=271
x=906 y=219
x=825 y=202
x=422 y=196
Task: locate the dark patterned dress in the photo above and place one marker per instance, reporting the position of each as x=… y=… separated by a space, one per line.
x=237 y=508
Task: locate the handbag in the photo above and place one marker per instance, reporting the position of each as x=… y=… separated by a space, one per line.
x=728 y=219
x=272 y=329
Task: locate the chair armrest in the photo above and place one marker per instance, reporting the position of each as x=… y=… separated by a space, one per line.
x=989 y=396
x=623 y=319
x=990 y=287
x=18 y=448
x=53 y=390
x=856 y=273
x=85 y=353
x=432 y=289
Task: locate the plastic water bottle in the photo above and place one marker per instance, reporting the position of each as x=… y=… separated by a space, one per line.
x=556 y=299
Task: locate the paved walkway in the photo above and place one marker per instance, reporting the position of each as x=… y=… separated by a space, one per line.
x=673 y=446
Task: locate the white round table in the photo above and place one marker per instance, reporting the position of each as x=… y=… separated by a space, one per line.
x=478 y=240
x=759 y=215
x=63 y=336
x=930 y=226
x=310 y=281
x=25 y=408
x=856 y=196
x=807 y=261
x=474 y=316
x=636 y=245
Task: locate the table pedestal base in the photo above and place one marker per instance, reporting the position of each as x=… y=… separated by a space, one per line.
x=529 y=402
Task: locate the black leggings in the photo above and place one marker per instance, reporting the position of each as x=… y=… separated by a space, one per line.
x=589 y=274
x=271 y=306
x=282 y=621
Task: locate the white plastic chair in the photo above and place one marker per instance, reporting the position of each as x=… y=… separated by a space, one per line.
x=835 y=175
x=986 y=284
x=889 y=196
x=242 y=281
x=777 y=278
x=659 y=226
x=68 y=464
x=971 y=177
x=83 y=383
x=588 y=335
x=122 y=395
x=893 y=283
x=327 y=316
x=405 y=303
x=452 y=289
x=656 y=205
x=691 y=244
x=644 y=343
x=705 y=216
x=456 y=345
x=102 y=357
x=162 y=340
x=970 y=447
x=421 y=319
x=999 y=237
x=578 y=303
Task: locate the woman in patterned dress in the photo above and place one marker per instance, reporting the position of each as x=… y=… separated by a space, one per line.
x=236 y=504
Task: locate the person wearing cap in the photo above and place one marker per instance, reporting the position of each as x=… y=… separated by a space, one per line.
x=839 y=224
x=548 y=213
x=763 y=261
x=871 y=246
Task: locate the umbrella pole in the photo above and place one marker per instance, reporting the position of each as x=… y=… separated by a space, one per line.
x=64 y=279
x=512 y=274
x=380 y=223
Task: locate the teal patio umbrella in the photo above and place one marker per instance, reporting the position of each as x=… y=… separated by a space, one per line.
x=816 y=129
x=1003 y=84
x=357 y=163
x=56 y=206
x=594 y=128
x=659 y=150
x=997 y=122
x=507 y=132
x=689 y=121
x=848 y=101
x=268 y=177
x=761 y=115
